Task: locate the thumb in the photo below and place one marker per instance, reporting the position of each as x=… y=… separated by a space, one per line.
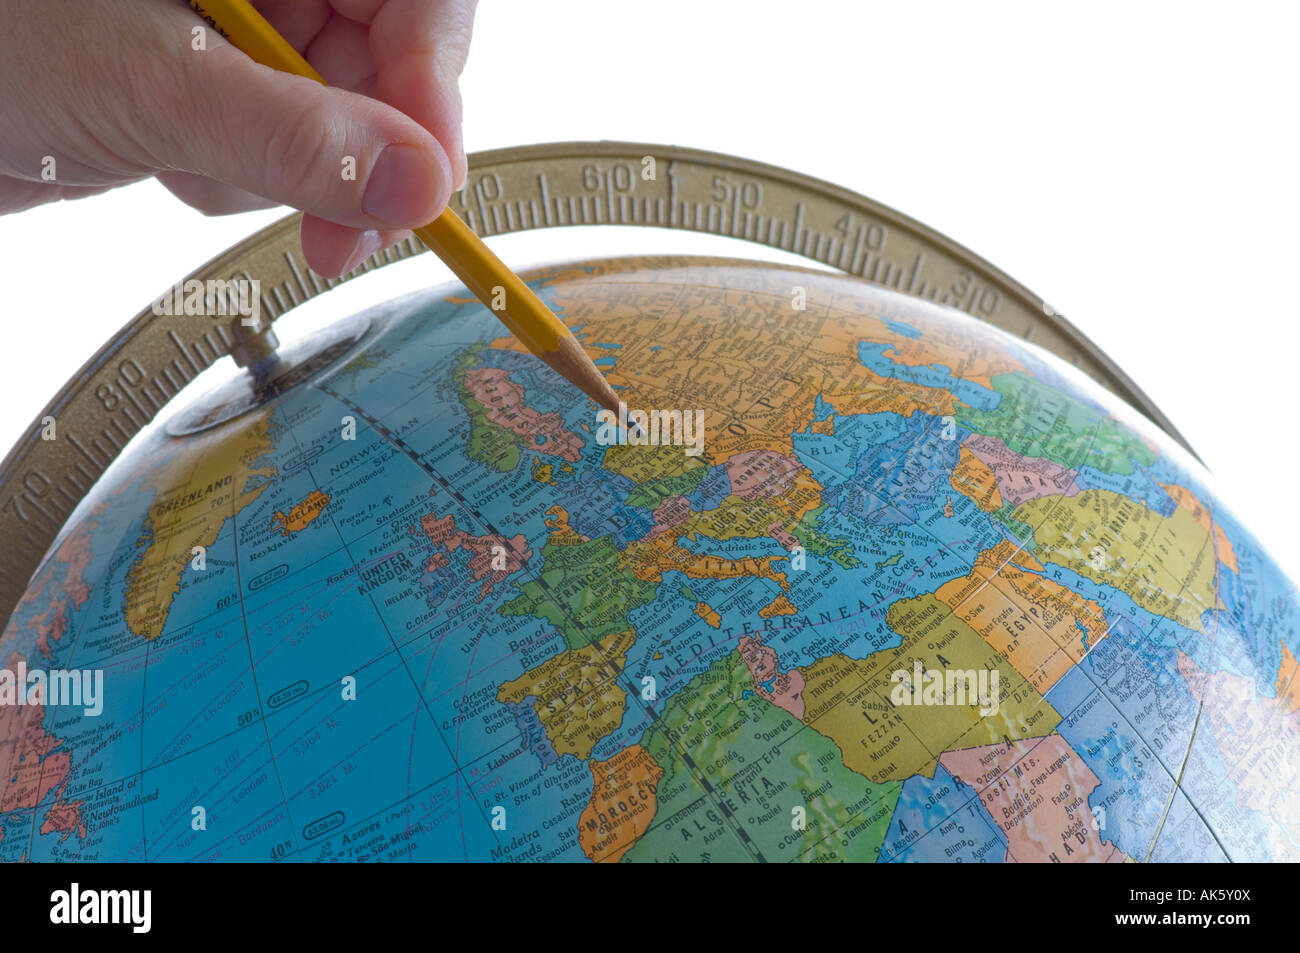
x=332 y=153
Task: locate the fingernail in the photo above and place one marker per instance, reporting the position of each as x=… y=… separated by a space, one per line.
x=403 y=184
x=367 y=244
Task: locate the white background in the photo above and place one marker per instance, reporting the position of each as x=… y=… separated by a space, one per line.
x=1133 y=164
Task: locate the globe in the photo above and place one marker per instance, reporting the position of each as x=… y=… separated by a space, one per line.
x=868 y=580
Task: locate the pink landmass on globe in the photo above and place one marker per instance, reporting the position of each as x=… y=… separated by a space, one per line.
x=1021 y=478
x=73 y=555
x=786 y=688
x=761 y=473
x=1036 y=792
x=503 y=401
x=511 y=555
x=671 y=512
x=32 y=767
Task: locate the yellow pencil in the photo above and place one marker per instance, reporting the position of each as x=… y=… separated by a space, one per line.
x=525 y=315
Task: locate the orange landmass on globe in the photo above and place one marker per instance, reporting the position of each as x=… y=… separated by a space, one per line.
x=1192 y=503
x=778 y=606
x=301 y=514
x=708 y=614
x=1259 y=743
x=972 y=477
x=503 y=402
x=622 y=804
x=649 y=559
x=1036 y=791
x=1288 y=681
x=826 y=427
x=1041 y=627
x=557 y=521
x=64 y=817
x=197 y=491
x=853 y=389
x=754 y=371
x=967 y=356
x=781 y=493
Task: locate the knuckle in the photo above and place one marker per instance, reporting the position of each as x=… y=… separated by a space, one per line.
x=300 y=154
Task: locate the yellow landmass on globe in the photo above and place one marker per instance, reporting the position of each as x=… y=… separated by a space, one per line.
x=196 y=493
x=1164 y=564
x=1288 y=681
x=578 y=698
x=849 y=700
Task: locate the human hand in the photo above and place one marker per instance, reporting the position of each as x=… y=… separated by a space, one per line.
x=112 y=91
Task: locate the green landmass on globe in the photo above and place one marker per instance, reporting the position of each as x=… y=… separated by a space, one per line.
x=414 y=608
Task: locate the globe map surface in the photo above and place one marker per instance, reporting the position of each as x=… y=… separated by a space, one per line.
x=466 y=629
